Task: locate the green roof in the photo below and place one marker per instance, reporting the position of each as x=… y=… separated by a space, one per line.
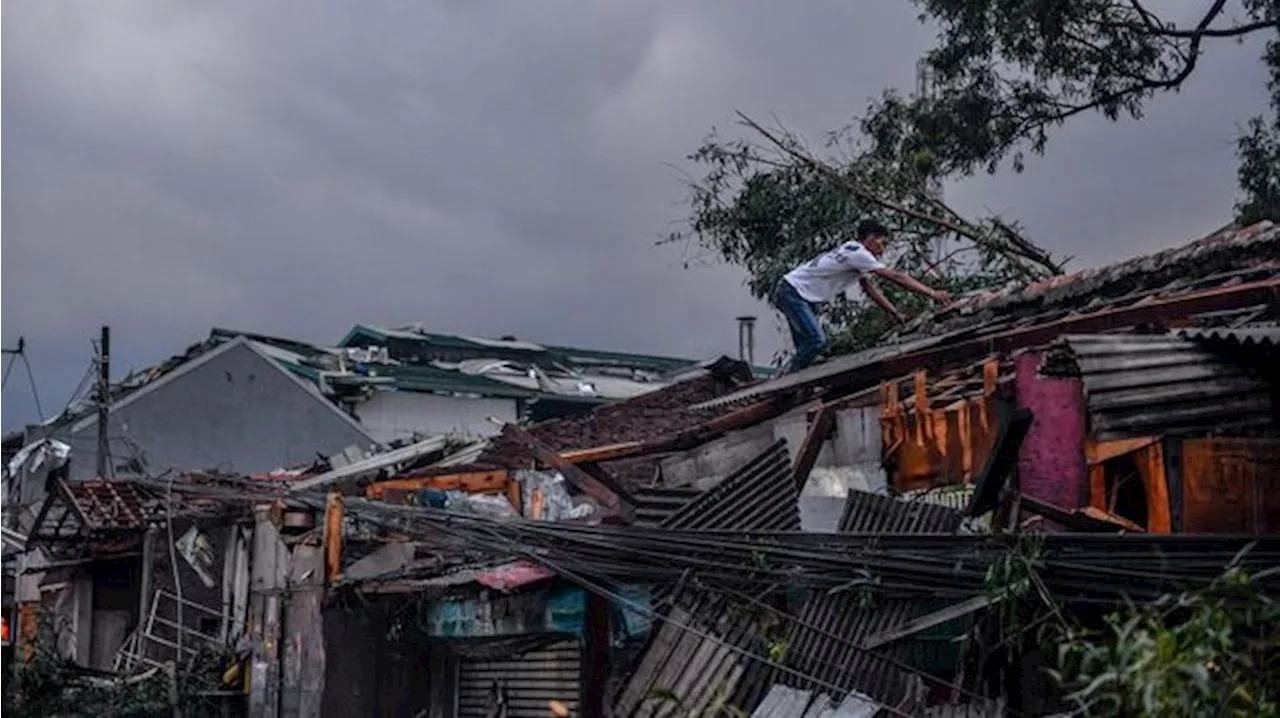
x=429 y=378
x=573 y=356
x=444 y=341
x=660 y=364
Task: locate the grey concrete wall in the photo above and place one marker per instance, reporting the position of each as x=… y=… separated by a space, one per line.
x=237 y=412
x=854 y=445
x=849 y=460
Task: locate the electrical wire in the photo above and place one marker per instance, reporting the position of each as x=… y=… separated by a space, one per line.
x=8 y=368
x=14 y=356
x=507 y=544
x=648 y=611
x=35 y=390
x=795 y=621
x=80 y=387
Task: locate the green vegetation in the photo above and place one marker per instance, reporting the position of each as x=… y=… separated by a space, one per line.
x=1002 y=76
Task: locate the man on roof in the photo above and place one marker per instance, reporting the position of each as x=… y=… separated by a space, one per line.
x=822 y=278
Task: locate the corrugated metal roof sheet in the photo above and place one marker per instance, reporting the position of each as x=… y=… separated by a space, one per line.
x=813 y=649
x=873 y=514
x=525 y=683
x=820 y=372
x=572 y=356
x=697 y=667
x=786 y=702
x=1139 y=385
x=371 y=464
x=655 y=505
x=759 y=496
x=1251 y=335
x=695 y=661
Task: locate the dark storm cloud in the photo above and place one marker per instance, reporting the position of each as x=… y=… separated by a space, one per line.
x=487 y=168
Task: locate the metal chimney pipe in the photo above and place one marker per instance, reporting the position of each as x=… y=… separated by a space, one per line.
x=747 y=340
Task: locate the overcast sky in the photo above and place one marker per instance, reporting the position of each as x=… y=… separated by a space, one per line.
x=482 y=167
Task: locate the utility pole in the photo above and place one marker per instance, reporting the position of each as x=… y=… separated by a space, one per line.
x=104 y=401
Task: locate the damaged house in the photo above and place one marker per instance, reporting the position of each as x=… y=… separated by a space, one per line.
x=831 y=543
x=1150 y=385
x=228 y=407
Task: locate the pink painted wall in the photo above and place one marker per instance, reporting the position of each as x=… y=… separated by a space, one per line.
x=1051 y=465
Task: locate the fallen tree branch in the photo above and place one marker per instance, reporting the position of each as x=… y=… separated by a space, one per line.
x=1020 y=247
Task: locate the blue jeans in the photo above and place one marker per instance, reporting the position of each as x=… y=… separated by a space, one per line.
x=801 y=316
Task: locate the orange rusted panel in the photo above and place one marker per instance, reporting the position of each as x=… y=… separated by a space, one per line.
x=1230 y=485
x=473 y=482
x=931 y=446
x=1148 y=457
x=990 y=376
x=947 y=444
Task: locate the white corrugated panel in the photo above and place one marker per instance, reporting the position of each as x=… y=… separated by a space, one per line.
x=529 y=681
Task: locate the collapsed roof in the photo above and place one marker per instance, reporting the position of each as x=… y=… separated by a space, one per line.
x=1227 y=278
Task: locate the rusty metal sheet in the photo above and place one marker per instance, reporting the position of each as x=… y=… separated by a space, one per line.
x=1230 y=485
x=697 y=657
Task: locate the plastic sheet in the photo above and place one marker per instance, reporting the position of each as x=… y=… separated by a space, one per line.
x=546 y=497
x=491 y=505
x=35 y=456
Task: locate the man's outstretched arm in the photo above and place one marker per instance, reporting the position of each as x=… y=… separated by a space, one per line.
x=873 y=290
x=906 y=281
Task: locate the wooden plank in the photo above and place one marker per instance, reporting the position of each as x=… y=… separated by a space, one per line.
x=1097 y=452
x=473 y=481
x=1159 y=511
x=609 y=452
x=268 y=578
x=1090 y=518
x=819 y=430
x=333 y=536
x=302 y=684
x=580 y=479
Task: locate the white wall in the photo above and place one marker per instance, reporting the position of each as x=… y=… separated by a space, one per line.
x=392 y=415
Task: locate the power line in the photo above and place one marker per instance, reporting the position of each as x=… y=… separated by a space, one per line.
x=35 y=390
x=14 y=356
x=7 y=368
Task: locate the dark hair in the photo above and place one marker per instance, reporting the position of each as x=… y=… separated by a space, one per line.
x=870 y=228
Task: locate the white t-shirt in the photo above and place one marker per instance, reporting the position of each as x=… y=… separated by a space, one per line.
x=822 y=278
